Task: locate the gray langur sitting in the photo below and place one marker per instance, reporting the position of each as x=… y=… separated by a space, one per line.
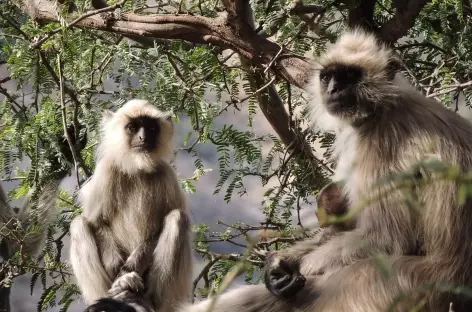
x=382 y=127
x=132 y=241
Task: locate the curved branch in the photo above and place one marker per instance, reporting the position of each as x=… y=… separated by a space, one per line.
x=222 y=31
x=404 y=19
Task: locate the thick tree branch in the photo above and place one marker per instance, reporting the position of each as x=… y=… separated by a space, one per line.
x=273 y=107
x=297 y=7
x=220 y=31
x=405 y=16
x=363 y=15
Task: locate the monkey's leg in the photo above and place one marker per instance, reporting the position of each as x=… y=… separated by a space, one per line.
x=256 y=298
x=359 y=287
x=363 y=286
x=140 y=259
x=91 y=276
x=170 y=276
x=131 y=275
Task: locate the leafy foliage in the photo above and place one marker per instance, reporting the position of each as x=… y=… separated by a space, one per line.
x=201 y=84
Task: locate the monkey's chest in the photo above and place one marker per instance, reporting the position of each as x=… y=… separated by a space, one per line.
x=134 y=225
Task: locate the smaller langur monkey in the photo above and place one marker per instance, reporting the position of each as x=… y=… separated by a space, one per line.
x=333 y=203
x=130 y=248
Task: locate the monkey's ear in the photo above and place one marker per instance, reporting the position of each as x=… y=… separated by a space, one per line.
x=168 y=117
x=393 y=67
x=107 y=115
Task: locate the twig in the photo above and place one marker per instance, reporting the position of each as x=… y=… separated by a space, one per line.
x=15 y=106
x=38 y=43
x=203 y=273
x=451 y=88
x=274 y=59
x=257 y=91
x=12 y=24
x=64 y=120
x=6 y=79
x=13 y=179
x=56 y=79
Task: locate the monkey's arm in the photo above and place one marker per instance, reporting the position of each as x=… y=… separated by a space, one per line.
x=89 y=271
x=387 y=233
x=131 y=275
x=140 y=259
x=173 y=248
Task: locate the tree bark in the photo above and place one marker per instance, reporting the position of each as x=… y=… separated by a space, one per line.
x=219 y=31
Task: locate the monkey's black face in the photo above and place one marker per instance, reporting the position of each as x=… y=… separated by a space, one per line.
x=339 y=85
x=143 y=133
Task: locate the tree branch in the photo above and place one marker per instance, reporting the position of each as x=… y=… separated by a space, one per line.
x=77 y=20
x=57 y=80
x=297 y=7
x=220 y=31
x=363 y=15
x=273 y=107
x=451 y=89
x=405 y=16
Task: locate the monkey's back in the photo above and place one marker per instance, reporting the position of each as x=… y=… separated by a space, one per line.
x=418 y=128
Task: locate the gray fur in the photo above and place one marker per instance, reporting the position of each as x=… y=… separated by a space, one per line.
x=132 y=242
x=32 y=242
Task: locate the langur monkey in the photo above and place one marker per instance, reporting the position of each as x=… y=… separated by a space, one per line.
x=132 y=242
x=332 y=202
x=33 y=242
x=382 y=127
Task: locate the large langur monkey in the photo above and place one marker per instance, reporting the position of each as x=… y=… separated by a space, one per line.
x=382 y=127
x=132 y=242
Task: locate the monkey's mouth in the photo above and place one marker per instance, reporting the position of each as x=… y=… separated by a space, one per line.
x=340 y=105
x=143 y=148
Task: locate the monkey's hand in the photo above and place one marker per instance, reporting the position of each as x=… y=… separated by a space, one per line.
x=282 y=278
x=127 y=282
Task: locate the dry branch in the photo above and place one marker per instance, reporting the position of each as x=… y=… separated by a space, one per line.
x=223 y=31
x=404 y=19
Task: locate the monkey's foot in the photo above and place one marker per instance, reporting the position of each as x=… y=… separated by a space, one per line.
x=127 y=282
x=282 y=278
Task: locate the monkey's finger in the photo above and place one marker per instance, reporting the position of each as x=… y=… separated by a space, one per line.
x=130 y=281
x=296 y=283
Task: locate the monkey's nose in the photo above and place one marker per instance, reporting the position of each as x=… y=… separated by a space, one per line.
x=332 y=87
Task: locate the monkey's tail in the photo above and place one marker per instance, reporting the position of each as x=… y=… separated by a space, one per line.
x=42 y=215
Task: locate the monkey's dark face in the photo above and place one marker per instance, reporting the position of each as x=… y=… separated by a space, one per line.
x=340 y=89
x=143 y=133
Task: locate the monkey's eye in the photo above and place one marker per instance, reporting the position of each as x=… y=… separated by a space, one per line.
x=324 y=77
x=132 y=128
